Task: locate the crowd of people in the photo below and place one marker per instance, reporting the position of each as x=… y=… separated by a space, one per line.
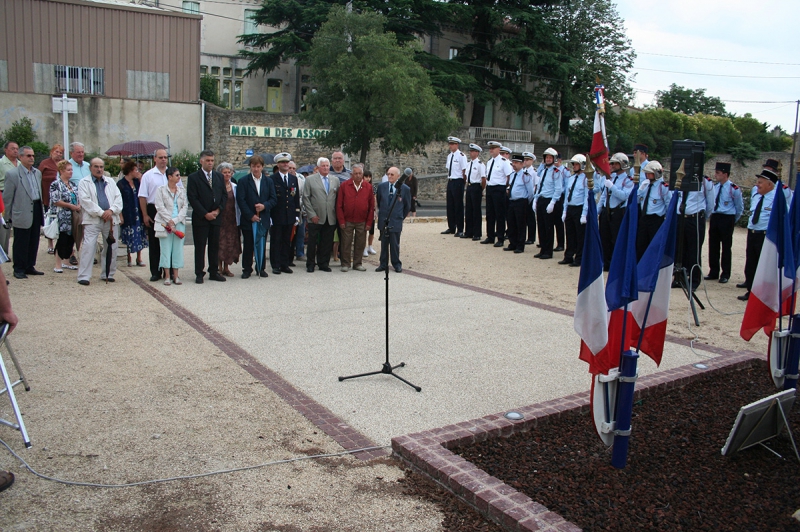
x=330 y=213
x=322 y=216
x=553 y=199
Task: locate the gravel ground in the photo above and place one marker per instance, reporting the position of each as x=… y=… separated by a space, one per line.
x=676 y=477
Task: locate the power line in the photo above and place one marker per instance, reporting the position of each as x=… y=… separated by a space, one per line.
x=717 y=59
x=715 y=75
x=648 y=91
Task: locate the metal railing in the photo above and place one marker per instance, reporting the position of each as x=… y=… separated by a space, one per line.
x=500 y=134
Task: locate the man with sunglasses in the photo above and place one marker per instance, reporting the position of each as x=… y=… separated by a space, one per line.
x=23 y=199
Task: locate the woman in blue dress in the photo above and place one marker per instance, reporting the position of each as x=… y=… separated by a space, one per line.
x=132 y=231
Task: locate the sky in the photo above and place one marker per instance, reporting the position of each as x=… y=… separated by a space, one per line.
x=733 y=38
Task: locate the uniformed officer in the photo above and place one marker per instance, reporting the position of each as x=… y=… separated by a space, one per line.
x=776 y=166
x=692 y=209
x=520 y=197
x=641 y=150
x=558 y=223
x=727 y=208
x=505 y=153
x=654 y=198
x=614 y=190
x=285 y=214
x=496 y=182
x=530 y=215
x=546 y=195
x=476 y=183
x=456 y=165
x=763 y=196
x=576 y=206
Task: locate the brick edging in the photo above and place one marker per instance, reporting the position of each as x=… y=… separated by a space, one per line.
x=325 y=420
x=429 y=451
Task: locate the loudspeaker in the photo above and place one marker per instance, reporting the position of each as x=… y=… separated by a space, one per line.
x=694 y=154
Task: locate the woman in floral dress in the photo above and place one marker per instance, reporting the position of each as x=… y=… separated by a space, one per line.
x=132 y=231
x=63 y=202
x=230 y=242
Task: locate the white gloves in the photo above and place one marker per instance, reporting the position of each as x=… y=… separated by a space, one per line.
x=550 y=207
x=643 y=185
x=296 y=221
x=564 y=216
x=583 y=220
x=609 y=183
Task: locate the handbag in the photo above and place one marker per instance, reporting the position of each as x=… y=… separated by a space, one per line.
x=51 y=226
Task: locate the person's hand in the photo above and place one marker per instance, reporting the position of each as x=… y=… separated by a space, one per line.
x=121 y=219
x=609 y=183
x=564 y=216
x=643 y=185
x=315 y=219
x=8 y=316
x=255 y=218
x=148 y=222
x=171 y=223
x=342 y=226
x=77 y=208
x=107 y=214
x=583 y=220
x=550 y=207
x=210 y=216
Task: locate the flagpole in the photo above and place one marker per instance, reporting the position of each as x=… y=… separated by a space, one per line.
x=644 y=322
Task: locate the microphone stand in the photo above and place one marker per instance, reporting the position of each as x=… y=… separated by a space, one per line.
x=387 y=368
x=681 y=275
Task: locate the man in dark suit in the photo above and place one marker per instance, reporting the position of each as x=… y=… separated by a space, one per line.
x=23 y=198
x=386 y=196
x=285 y=215
x=255 y=195
x=206 y=192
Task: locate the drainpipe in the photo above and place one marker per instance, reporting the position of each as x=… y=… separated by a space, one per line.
x=202 y=126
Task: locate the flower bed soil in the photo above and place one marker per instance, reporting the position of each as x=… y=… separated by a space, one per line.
x=676 y=477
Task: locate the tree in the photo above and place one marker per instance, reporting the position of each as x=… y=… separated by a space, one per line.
x=592 y=44
x=757 y=134
x=682 y=100
x=208 y=90
x=369 y=87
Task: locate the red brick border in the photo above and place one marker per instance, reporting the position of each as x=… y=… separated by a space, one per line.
x=324 y=419
x=429 y=451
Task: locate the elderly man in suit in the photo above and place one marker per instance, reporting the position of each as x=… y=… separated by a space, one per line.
x=285 y=215
x=319 y=197
x=207 y=195
x=390 y=234
x=255 y=195
x=23 y=198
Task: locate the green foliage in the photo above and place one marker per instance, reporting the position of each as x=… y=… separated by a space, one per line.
x=259 y=108
x=208 y=90
x=21 y=132
x=744 y=151
x=746 y=195
x=186 y=161
x=369 y=87
x=113 y=165
x=757 y=133
x=682 y=100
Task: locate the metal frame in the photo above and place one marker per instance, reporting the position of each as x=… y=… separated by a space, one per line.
x=9 y=387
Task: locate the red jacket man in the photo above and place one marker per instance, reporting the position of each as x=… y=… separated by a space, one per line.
x=355 y=208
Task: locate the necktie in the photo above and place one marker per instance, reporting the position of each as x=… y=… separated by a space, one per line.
x=757 y=213
x=285 y=180
x=716 y=201
x=469 y=174
x=647 y=198
x=684 y=199
x=450 y=170
x=491 y=167
x=208 y=176
x=572 y=188
x=511 y=187
x=327 y=185
x=391 y=194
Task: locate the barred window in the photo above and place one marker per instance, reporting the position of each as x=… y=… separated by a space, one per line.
x=79 y=80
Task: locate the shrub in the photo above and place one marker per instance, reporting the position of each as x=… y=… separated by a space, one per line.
x=186 y=161
x=743 y=151
x=208 y=90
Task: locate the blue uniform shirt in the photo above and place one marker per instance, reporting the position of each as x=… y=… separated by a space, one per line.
x=766 y=209
x=699 y=200
x=657 y=200
x=580 y=195
x=730 y=199
x=551 y=183
x=523 y=186
x=623 y=185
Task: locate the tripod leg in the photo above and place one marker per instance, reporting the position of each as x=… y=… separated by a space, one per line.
x=16 y=365
x=361 y=375
x=396 y=376
x=14 y=405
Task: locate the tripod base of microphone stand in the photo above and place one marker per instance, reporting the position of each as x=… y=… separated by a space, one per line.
x=387 y=369
x=683 y=279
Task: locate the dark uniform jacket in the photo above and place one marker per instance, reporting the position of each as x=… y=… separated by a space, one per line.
x=287 y=209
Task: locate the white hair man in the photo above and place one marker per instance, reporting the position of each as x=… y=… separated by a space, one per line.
x=319 y=198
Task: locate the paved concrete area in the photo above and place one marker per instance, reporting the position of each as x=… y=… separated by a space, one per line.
x=472 y=353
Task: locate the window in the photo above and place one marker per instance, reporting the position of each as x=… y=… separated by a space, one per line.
x=203 y=70
x=453 y=53
x=215 y=71
x=239 y=73
x=226 y=94
x=192 y=8
x=226 y=72
x=79 y=80
x=237 y=94
x=250 y=25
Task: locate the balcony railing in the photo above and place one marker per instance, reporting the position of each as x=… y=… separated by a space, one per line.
x=500 y=134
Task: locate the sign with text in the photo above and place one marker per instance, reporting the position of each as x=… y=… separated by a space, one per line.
x=278 y=132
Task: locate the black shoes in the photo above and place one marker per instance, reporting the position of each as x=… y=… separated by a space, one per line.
x=448 y=232
x=519 y=251
x=498 y=244
x=286 y=269
x=529 y=242
x=723 y=280
x=109 y=280
x=543 y=256
x=466 y=236
x=217 y=277
x=263 y=273
x=83 y=283
x=741 y=285
x=459 y=234
x=744 y=297
x=154 y=278
x=324 y=268
x=509 y=248
x=276 y=271
x=476 y=238
x=399 y=269
x=487 y=241
x=575 y=265
x=558 y=248
x=245 y=275
x=18 y=275
x=33 y=271
x=710 y=277
x=198 y=279
x=565 y=261
x=380 y=269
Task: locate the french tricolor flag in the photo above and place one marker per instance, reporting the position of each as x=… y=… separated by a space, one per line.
x=591 y=313
x=598 y=153
x=771 y=292
x=650 y=311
